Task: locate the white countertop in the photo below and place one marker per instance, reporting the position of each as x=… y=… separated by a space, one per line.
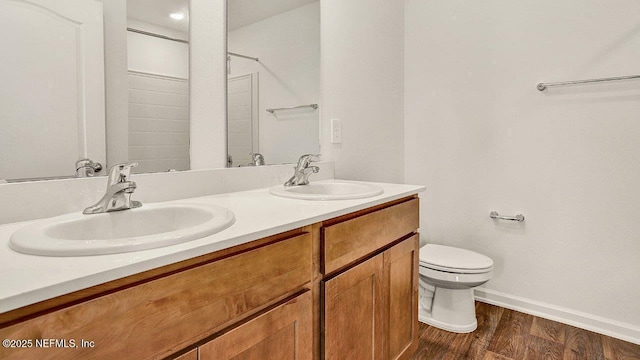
x=28 y=279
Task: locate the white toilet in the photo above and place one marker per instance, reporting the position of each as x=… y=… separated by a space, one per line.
x=447 y=278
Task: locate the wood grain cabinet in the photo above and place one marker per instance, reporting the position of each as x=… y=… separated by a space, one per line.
x=355 y=313
x=345 y=288
x=283 y=333
x=191 y=355
x=157 y=317
x=370 y=301
x=401 y=286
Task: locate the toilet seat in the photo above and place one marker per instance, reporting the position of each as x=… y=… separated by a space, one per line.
x=454 y=260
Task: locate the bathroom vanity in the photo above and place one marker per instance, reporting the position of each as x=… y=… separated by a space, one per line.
x=331 y=280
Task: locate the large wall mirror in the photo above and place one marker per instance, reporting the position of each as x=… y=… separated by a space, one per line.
x=273 y=75
x=108 y=80
x=57 y=77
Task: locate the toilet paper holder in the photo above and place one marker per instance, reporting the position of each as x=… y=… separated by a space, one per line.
x=495 y=215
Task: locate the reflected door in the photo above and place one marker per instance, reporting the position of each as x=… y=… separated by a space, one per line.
x=242 y=118
x=51 y=87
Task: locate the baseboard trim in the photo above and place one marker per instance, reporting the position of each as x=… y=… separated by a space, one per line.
x=598 y=324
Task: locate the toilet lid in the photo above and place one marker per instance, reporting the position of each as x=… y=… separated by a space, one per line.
x=453 y=259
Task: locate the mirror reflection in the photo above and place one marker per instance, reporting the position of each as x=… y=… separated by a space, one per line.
x=101 y=82
x=273 y=70
x=55 y=87
x=52 y=88
x=158 y=80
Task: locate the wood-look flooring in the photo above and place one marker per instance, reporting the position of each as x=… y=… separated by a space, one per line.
x=504 y=334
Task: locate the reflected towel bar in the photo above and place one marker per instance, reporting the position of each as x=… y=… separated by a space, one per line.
x=495 y=215
x=544 y=86
x=138 y=31
x=243 y=56
x=313 y=106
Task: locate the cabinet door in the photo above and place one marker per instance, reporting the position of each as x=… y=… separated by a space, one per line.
x=401 y=279
x=354 y=313
x=283 y=333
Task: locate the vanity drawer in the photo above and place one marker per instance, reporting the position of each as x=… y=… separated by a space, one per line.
x=348 y=241
x=159 y=317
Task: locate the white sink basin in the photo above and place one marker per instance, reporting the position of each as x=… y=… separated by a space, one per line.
x=150 y=226
x=327 y=190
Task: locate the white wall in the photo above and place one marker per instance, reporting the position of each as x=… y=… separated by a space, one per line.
x=208 y=110
x=288 y=46
x=361 y=81
x=481 y=137
x=115 y=73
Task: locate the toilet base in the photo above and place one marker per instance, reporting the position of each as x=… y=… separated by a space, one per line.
x=448 y=327
x=452 y=310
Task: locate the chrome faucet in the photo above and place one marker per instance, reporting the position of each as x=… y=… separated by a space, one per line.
x=257 y=159
x=87 y=168
x=119 y=190
x=303 y=170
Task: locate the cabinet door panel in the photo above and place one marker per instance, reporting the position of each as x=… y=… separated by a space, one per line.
x=354 y=308
x=401 y=275
x=283 y=333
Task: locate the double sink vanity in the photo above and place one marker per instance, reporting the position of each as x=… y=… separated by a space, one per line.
x=326 y=270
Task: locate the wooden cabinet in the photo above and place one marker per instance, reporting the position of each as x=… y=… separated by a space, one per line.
x=370 y=307
x=345 y=288
x=350 y=238
x=354 y=313
x=159 y=317
x=401 y=281
x=283 y=333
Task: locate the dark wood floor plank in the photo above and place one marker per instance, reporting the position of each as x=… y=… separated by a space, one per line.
x=543 y=349
x=549 y=330
x=488 y=317
x=462 y=345
x=512 y=334
x=582 y=345
x=615 y=349
x=434 y=344
x=504 y=334
x=469 y=346
x=493 y=356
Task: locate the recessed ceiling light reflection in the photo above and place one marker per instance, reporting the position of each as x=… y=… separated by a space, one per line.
x=177 y=16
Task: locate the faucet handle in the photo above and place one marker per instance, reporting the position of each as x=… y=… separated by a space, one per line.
x=257 y=159
x=305 y=159
x=119 y=173
x=87 y=167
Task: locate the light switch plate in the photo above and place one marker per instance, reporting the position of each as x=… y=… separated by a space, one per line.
x=336 y=131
